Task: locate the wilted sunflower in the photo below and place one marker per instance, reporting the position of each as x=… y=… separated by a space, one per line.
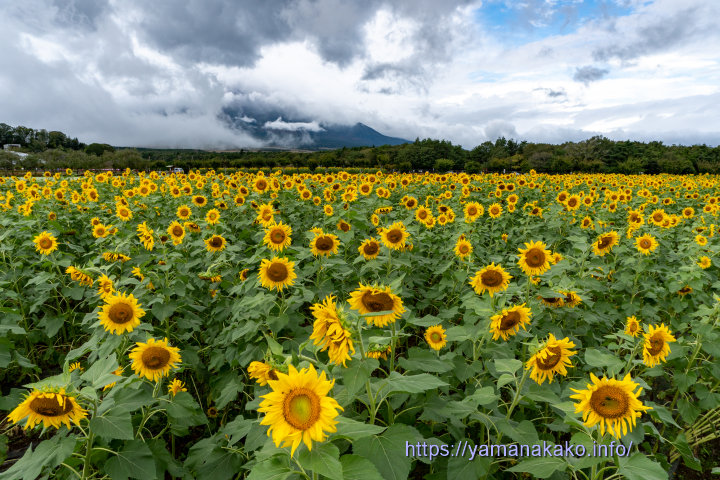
x=656 y=347
x=463 y=248
x=570 y=298
x=373 y=299
x=154 y=359
x=551 y=359
x=492 y=278
x=370 y=248
x=509 y=321
x=51 y=407
x=215 y=243
x=646 y=244
x=395 y=236
x=553 y=301
x=632 y=327
x=176 y=232
x=605 y=242
x=324 y=244
x=277 y=273
x=45 y=243
x=378 y=352
x=277 y=236
x=534 y=259
x=298 y=409
x=435 y=337
x=121 y=313
x=145 y=234
x=612 y=403
x=261 y=372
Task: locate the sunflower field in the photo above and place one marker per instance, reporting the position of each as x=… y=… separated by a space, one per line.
x=359 y=326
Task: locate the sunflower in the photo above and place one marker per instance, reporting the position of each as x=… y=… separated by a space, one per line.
x=154 y=359
x=121 y=313
x=395 y=236
x=605 y=242
x=199 y=200
x=277 y=273
x=75 y=366
x=328 y=210
x=535 y=259
x=570 y=298
x=145 y=234
x=277 y=236
x=343 y=226
x=183 y=212
x=374 y=299
x=243 y=274
x=701 y=240
x=176 y=232
x=705 y=262
x=176 y=386
x=261 y=372
x=551 y=359
x=123 y=213
x=105 y=286
x=52 y=408
x=553 y=301
x=45 y=243
x=215 y=243
x=192 y=226
x=212 y=216
x=495 y=210
x=492 y=278
x=298 y=409
x=378 y=352
x=101 y=231
x=656 y=347
x=463 y=248
x=370 y=248
x=611 y=403
x=422 y=214
x=632 y=327
x=436 y=338
x=324 y=244
x=685 y=290
x=472 y=211
x=646 y=244
x=509 y=321
x=330 y=331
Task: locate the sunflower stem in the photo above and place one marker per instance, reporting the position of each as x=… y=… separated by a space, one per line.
x=516 y=398
x=392 y=347
x=90 y=438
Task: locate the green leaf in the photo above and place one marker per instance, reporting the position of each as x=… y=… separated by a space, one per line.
x=412 y=383
x=482 y=396
x=387 y=451
x=274 y=468
x=539 y=467
x=183 y=411
x=596 y=358
x=357 y=373
x=100 y=373
x=113 y=425
x=423 y=360
x=355 y=467
x=684 y=449
x=353 y=430
x=48 y=454
x=640 y=467
x=135 y=460
x=509 y=365
x=322 y=459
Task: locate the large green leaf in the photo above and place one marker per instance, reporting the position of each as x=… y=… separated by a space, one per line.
x=355 y=467
x=539 y=467
x=113 y=425
x=353 y=430
x=387 y=451
x=135 y=460
x=640 y=467
x=48 y=454
x=411 y=383
x=322 y=459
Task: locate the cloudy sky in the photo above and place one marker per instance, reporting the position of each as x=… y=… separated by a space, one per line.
x=204 y=73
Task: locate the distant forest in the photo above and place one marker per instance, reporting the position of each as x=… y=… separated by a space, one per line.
x=52 y=150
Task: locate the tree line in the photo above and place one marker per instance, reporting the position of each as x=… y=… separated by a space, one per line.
x=51 y=150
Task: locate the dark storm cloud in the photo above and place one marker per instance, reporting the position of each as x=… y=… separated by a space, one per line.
x=657 y=35
x=589 y=74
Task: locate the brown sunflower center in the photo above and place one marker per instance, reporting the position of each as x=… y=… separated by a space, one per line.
x=410 y=203
x=494 y=210
x=344 y=227
x=184 y=213
x=377 y=301
x=277 y=236
x=155 y=357
x=371 y=248
x=535 y=257
x=657 y=342
x=277 y=272
x=552 y=300
x=422 y=214
x=51 y=407
x=463 y=248
x=436 y=337
x=572 y=202
x=509 y=320
x=658 y=217
x=604 y=242
x=472 y=211
x=216 y=242
x=261 y=184
x=610 y=402
x=45 y=243
x=632 y=328
x=177 y=231
x=272 y=374
x=553 y=358
x=301 y=408
x=645 y=243
x=324 y=243
x=491 y=278
x=121 y=313
x=200 y=200
x=394 y=236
